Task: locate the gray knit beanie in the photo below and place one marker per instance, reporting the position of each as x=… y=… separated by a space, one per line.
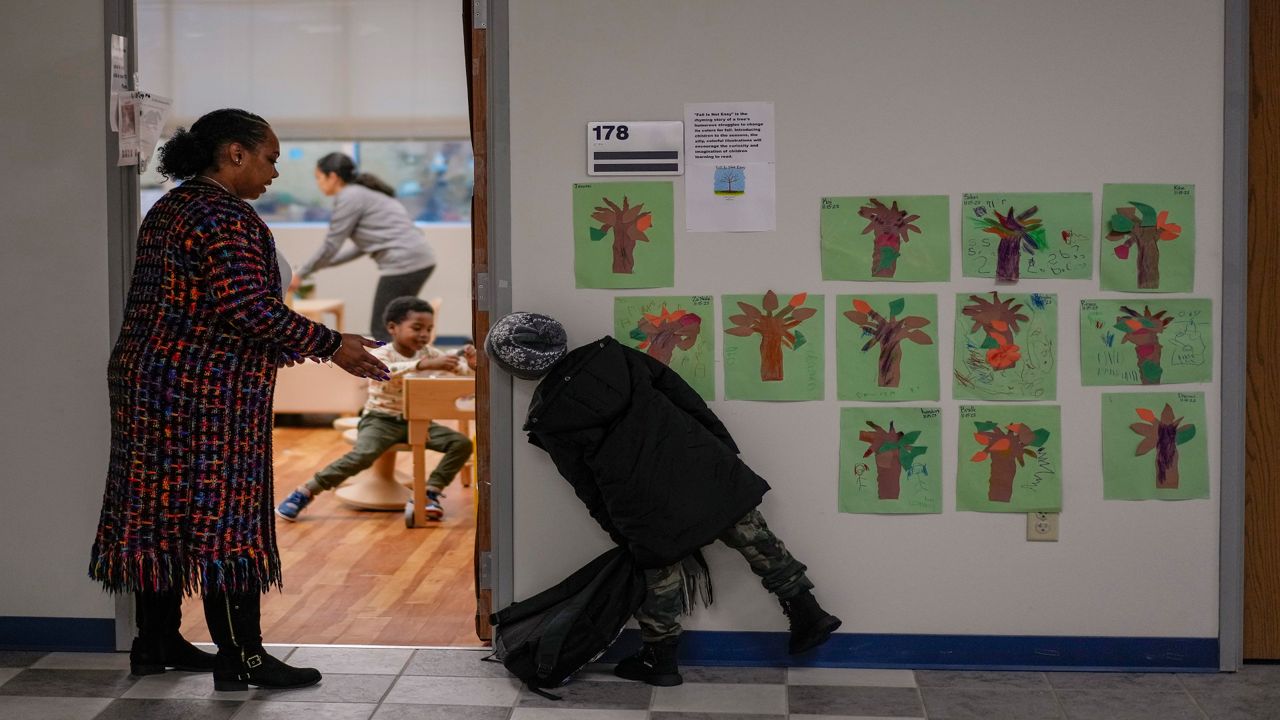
x=526 y=344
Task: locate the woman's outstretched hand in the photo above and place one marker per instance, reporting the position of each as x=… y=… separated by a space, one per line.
x=352 y=357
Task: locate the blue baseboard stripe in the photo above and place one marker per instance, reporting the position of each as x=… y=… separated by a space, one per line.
x=954 y=652
x=53 y=634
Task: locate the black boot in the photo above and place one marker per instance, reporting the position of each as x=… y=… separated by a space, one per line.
x=655 y=664
x=810 y=624
x=235 y=624
x=159 y=645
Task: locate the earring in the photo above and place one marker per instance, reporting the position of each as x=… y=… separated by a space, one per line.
x=238 y=160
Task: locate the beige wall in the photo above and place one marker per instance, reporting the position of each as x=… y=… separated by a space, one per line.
x=54 y=427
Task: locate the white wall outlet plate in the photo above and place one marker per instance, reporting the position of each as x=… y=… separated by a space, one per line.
x=1042 y=526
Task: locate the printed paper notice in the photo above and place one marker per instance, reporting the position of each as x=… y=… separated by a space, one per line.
x=729 y=177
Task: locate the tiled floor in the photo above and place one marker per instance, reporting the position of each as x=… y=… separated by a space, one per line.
x=407 y=684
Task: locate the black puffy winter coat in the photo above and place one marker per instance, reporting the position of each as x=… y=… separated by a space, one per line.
x=654 y=466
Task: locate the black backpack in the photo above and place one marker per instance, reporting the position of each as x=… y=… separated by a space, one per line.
x=545 y=639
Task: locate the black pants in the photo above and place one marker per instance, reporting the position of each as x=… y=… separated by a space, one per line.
x=391 y=287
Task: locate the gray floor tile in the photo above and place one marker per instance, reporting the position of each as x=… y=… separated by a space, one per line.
x=741 y=675
x=334 y=688
x=989 y=704
x=423 y=690
x=83 y=661
x=671 y=715
x=51 y=708
x=441 y=712
x=722 y=697
x=793 y=716
x=851 y=676
x=454 y=663
x=181 y=686
x=981 y=679
x=846 y=700
x=583 y=694
x=1163 y=682
x=1128 y=704
x=1240 y=702
x=309 y=710
x=598 y=672
x=7 y=673
x=1264 y=676
x=359 y=661
x=69 y=683
x=169 y=710
x=18 y=658
x=532 y=713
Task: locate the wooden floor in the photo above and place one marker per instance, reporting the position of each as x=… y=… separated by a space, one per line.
x=353 y=577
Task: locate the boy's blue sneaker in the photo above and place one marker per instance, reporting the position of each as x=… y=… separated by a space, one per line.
x=433 y=509
x=294 y=504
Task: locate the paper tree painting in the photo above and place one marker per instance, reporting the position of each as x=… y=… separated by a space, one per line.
x=1006 y=346
x=1154 y=446
x=730 y=180
x=898 y=237
x=885 y=347
x=1123 y=342
x=1151 y=233
x=1010 y=458
x=889 y=460
x=678 y=331
x=622 y=235
x=1011 y=236
x=773 y=350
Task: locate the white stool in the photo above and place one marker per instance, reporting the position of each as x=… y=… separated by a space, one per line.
x=377 y=488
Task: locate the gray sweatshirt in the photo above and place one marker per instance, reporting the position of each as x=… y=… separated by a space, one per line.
x=377 y=225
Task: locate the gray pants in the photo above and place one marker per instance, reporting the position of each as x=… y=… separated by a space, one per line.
x=389 y=288
x=779 y=572
x=376 y=433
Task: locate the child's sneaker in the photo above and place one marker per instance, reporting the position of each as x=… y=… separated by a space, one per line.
x=433 y=509
x=294 y=504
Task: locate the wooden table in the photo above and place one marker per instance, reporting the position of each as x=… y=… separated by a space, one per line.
x=427 y=399
x=317 y=308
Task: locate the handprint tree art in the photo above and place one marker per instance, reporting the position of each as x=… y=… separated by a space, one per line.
x=895 y=451
x=892 y=228
x=1163 y=434
x=999 y=321
x=660 y=335
x=1141 y=225
x=889 y=333
x=628 y=224
x=1007 y=448
x=1143 y=332
x=777 y=328
x=1017 y=231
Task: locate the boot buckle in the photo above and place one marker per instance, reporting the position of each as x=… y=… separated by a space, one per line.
x=253 y=661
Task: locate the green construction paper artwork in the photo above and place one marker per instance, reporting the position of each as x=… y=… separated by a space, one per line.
x=1012 y=236
x=1006 y=346
x=1150 y=235
x=1154 y=446
x=1010 y=458
x=1146 y=341
x=886 y=347
x=677 y=330
x=890 y=460
x=622 y=235
x=773 y=346
x=886 y=237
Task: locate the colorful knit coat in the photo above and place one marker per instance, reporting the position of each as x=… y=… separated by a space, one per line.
x=188 y=502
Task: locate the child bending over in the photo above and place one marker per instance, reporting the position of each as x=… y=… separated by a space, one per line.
x=409 y=320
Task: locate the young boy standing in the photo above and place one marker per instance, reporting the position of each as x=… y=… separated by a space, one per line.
x=409 y=320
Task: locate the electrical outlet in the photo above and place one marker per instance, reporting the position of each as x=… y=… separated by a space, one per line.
x=1042 y=526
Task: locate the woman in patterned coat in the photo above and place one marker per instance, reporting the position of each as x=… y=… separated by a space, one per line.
x=188 y=501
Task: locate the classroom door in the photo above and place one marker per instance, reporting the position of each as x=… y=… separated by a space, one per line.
x=1262 y=467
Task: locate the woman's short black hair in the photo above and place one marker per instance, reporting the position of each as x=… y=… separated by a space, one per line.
x=399 y=309
x=190 y=152
x=344 y=167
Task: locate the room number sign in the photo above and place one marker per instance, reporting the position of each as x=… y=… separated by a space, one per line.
x=640 y=147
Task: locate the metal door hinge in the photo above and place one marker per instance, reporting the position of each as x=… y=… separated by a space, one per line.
x=479 y=14
x=484 y=561
x=482 y=291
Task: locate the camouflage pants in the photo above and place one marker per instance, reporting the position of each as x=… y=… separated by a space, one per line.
x=779 y=572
